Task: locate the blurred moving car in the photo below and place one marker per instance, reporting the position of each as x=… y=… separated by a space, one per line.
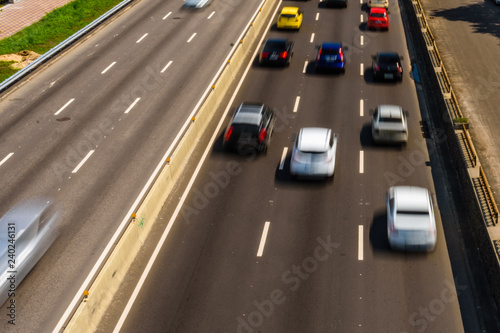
x=314 y=153
x=335 y=3
x=378 y=3
x=276 y=51
x=290 y=18
x=378 y=18
x=389 y=124
x=387 y=66
x=26 y=233
x=330 y=57
x=250 y=129
x=197 y=4
x=411 y=224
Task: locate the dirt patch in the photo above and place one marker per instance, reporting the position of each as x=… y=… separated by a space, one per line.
x=21 y=59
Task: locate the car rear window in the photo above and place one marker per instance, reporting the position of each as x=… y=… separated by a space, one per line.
x=378 y=15
x=275 y=45
x=390 y=120
x=288 y=15
x=388 y=60
x=329 y=51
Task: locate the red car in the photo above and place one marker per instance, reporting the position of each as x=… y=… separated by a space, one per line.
x=378 y=18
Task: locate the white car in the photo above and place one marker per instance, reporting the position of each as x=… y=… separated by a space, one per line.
x=389 y=124
x=411 y=224
x=314 y=153
x=378 y=3
x=196 y=3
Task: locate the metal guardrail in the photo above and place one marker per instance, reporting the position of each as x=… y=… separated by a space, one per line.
x=471 y=147
x=493 y=205
x=61 y=46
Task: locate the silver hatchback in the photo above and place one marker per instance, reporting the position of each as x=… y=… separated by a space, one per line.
x=389 y=124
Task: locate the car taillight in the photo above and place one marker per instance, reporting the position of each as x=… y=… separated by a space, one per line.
x=400 y=70
x=377 y=68
x=283 y=55
x=319 y=54
x=262 y=135
x=228 y=133
x=265 y=54
x=341 y=55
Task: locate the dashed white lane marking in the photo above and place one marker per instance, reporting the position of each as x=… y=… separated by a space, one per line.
x=83 y=161
x=132 y=105
x=361 y=161
x=317 y=16
x=139 y=40
x=210 y=16
x=360 y=242
x=6 y=158
x=283 y=157
x=312 y=38
x=296 y=106
x=64 y=106
x=168 y=65
x=361 y=19
x=361 y=69
x=361 y=107
x=191 y=38
x=107 y=68
x=361 y=40
x=263 y=239
x=166 y=16
x=305 y=66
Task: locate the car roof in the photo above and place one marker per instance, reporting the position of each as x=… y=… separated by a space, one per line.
x=390 y=111
x=290 y=10
x=411 y=198
x=314 y=139
x=331 y=45
x=248 y=114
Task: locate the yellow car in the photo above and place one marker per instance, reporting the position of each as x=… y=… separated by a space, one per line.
x=290 y=18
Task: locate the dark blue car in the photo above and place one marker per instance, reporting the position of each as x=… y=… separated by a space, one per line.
x=330 y=57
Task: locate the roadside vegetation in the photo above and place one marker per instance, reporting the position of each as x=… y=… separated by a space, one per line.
x=52 y=29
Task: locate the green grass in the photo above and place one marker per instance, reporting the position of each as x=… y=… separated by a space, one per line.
x=52 y=29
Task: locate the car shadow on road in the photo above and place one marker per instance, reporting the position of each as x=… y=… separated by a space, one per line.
x=378 y=232
x=366 y=140
x=369 y=78
x=284 y=178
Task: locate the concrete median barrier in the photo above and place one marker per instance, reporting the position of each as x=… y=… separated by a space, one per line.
x=100 y=294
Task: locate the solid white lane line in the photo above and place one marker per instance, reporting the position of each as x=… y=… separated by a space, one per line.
x=168 y=65
x=107 y=68
x=191 y=38
x=6 y=158
x=283 y=157
x=312 y=37
x=180 y=204
x=305 y=66
x=360 y=242
x=132 y=105
x=83 y=161
x=167 y=15
x=361 y=161
x=296 y=106
x=263 y=239
x=361 y=69
x=138 y=41
x=317 y=16
x=210 y=16
x=361 y=40
x=361 y=107
x=64 y=106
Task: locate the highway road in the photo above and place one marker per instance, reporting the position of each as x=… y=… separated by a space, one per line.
x=89 y=130
x=324 y=265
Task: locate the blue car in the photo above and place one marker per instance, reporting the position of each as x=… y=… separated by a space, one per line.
x=330 y=57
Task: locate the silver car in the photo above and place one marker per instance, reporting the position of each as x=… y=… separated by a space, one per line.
x=378 y=3
x=197 y=4
x=314 y=153
x=389 y=124
x=26 y=233
x=411 y=224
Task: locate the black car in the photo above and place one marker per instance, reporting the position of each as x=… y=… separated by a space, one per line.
x=250 y=128
x=335 y=3
x=276 y=51
x=387 y=66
